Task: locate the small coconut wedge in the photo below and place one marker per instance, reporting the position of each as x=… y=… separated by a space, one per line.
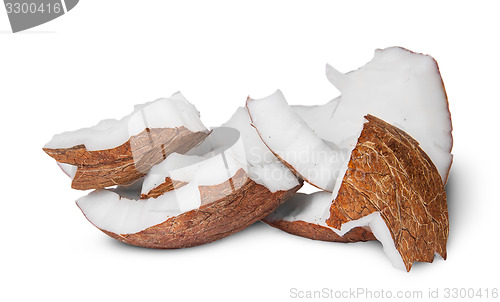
x=219 y=196
x=305 y=215
x=116 y=152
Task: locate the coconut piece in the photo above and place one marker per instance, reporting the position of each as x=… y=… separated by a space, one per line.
x=391 y=188
x=389 y=173
x=404 y=89
x=305 y=215
x=233 y=211
x=289 y=137
x=122 y=151
x=218 y=198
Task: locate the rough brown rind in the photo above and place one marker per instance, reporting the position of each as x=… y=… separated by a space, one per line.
x=318 y=232
x=127 y=162
x=389 y=173
x=167 y=185
x=226 y=208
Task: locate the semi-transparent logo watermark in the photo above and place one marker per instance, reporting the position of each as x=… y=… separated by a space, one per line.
x=25 y=14
x=318 y=165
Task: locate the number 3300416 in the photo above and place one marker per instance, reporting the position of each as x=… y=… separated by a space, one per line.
x=33 y=8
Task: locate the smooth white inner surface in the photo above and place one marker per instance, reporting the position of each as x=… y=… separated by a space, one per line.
x=319 y=117
x=109 y=211
x=68 y=169
x=171 y=112
x=292 y=139
x=402 y=88
x=264 y=168
x=398 y=86
x=315 y=208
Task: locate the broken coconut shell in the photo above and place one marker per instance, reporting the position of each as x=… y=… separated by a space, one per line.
x=127 y=162
x=391 y=192
x=319 y=232
x=305 y=215
x=166 y=186
x=118 y=152
x=389 y=173
x=224 y=211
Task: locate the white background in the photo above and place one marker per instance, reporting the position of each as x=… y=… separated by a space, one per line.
x=105 y=56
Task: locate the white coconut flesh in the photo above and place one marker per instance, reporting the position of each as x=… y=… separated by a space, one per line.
x=318 y=117
x=290 y=137
x=172 y=112
x=264 y=167
x=315 y=209
x=400 y=87
x=215 y=161
x=68 y=169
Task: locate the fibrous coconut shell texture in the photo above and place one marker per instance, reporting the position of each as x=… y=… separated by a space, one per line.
x=118 y=152
x=319 y=232
x=167 y=186
x=389 y=173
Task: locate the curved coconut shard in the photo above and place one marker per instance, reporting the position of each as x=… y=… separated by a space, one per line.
x=294 y=142
x=233 y=211
x=219 y=196
x=318 y=232
x=389 y=173
x=116 y=152
x=305 y=215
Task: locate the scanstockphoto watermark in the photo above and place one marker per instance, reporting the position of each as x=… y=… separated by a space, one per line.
x=397 y=294
x=321 y=164
x=354 y=293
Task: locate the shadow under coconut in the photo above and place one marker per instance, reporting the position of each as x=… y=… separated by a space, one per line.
x=456 y=198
